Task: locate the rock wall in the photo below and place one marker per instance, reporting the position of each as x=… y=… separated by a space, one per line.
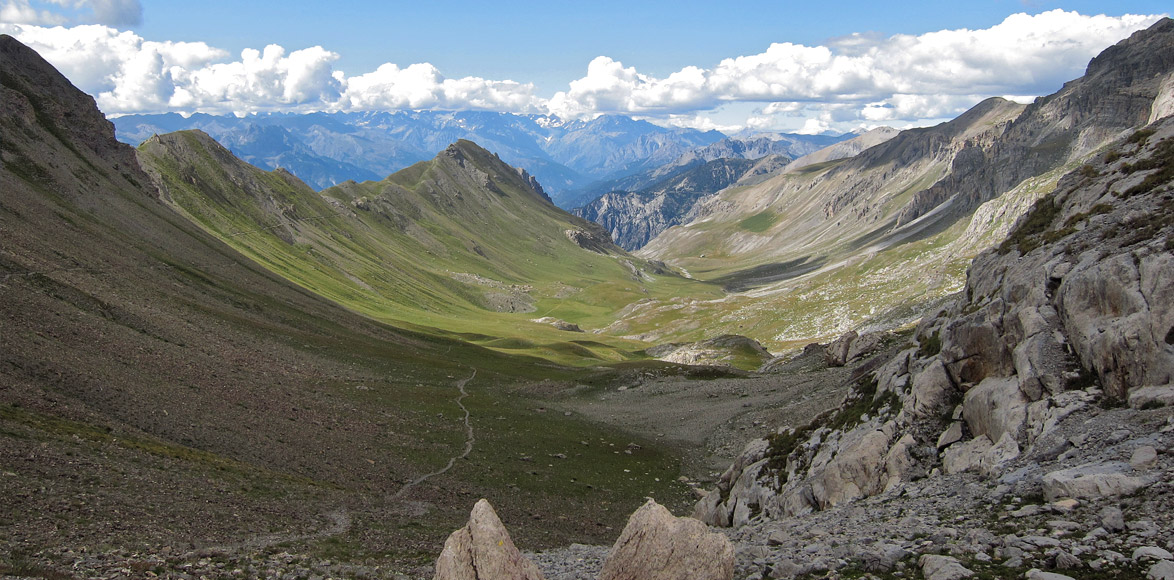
x=1076 y=308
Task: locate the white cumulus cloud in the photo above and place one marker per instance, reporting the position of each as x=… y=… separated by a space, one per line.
x=902 y=77
x=855 y=80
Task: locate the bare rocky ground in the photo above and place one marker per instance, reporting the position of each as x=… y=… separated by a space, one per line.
x=710 y=420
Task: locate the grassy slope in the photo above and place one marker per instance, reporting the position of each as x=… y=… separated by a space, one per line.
x=813 y=253
x=432 y=247
x=158 y=388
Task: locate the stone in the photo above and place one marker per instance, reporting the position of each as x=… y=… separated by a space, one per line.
x=1162 y=396
x=951 y=435
x=933 y=389
x=656 y=545
x=1151 y=553
x=994 y=407
x=836 y=353
x=1066 y=561
x=1093 y=481
x=936 y=567
x=1064 y=505
x=966 y=456
x=999 y=455
x=483 y=550
x=1037 y=574
x=1163 y=570
x=1143 y=457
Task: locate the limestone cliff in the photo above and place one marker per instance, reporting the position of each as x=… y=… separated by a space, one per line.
x=1075 y=308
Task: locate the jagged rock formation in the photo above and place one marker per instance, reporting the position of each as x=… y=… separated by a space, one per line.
x=655 y=545
x=634 y=218
x=1075 y=306
x=1116 y=95
x=483 y=550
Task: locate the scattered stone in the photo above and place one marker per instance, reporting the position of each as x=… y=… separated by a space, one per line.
x=1113 y=519
x=656 y=545
x=1151 y=553
x=1152 y=396
x=936 y=567
x=1093 y=481
x=1163 y=570
x=1144 y=457
x=1037 y=574
x=1064 y=505
x=483 y=550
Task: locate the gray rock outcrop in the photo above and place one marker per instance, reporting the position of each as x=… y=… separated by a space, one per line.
x=655 y=545
x=1075 y=309
x=483 y=550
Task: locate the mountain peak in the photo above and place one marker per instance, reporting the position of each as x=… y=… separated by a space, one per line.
x=37 y=98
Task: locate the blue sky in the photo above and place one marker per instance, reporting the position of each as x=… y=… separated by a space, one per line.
x=766 y=65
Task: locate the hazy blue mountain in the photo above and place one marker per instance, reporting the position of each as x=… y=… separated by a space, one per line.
x=324 y=149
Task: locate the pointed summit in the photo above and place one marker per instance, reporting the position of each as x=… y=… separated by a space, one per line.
x=37 y=98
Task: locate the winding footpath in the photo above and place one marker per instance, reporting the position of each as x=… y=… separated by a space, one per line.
x=469 y=441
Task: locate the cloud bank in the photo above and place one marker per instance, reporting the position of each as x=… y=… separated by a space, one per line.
x=853 y=81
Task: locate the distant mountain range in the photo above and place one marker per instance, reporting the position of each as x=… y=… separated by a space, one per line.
x=573 y=160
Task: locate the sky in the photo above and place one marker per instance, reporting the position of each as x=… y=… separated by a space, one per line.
x=756 y=65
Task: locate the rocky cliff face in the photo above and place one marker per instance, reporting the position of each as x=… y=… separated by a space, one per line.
x=634 y=218
x=1074 y=310
x=1115 y=96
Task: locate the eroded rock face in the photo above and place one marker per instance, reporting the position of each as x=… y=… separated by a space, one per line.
x=1075 y=308
x=655 y=545
x=483 y=550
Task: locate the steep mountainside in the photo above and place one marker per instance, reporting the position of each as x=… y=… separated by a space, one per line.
x=847 y=148
x=462 y=244
x=635 y=218
x=326 y=149
x=162 y=394
x=1007 y=413
x=882 y=237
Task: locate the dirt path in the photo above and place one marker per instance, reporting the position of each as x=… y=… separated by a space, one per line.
x=469 y=441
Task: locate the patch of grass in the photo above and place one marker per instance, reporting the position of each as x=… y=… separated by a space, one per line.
x=929 y=345
x=759 y=222
x=1029 y=234
x=1161 y=160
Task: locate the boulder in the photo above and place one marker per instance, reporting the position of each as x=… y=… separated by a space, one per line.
x=951 y=435
x=483 y=550
x=936 y=567
x=1113 y=519
x=1162 y=396
x=933 y=391
x=1151 y=553
x=656 y=545
x=1143 y=457
x=994 y=407
x=836 y=353
x=965 y=456
x=1163 y=570
x=1093 y=481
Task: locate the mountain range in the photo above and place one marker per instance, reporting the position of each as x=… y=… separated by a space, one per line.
x=567 y=157
x=336 y=372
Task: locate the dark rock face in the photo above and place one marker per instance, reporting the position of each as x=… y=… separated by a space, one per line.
x=34 y=96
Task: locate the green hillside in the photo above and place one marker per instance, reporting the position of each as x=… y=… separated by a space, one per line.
x=462 y=245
